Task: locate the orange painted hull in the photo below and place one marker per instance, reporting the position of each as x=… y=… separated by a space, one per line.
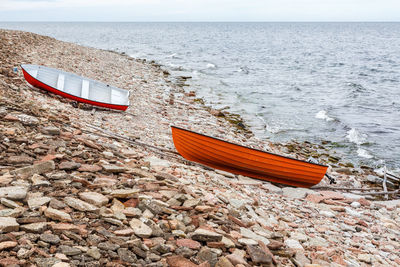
x=246 y=161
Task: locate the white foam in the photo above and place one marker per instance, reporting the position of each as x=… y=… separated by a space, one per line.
x=323 y=116
x=364 y=153
x=211 y=66
x=356 y=137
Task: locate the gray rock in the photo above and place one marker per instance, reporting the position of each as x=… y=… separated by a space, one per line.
x=191 y=202
x=50 y=238
x=94 y=198
x=94 y=252
x=69 y=251
x=69 y=165
x=140 y=228
x=124 y=193
x=8 y=224
x=27 y=119
x=108 y=246
x=51 y=130
x=206 y=254
x=113 y=169
x=46 y=262
x=206 y=236
x=79 y=204
x=35 y=203
x=13 y=192
x=39 y=168
x=258 y=256
x=126 y=255
x=34 y=227
x=247 y=233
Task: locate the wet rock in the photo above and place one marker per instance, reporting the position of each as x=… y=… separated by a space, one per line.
x=57 y=215
x=39 y=168
x=8 y=224
x=79 y=204
x=206 y=236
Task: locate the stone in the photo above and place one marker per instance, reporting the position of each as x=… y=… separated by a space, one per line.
x=192 y=244
x=27 y=119
x=296 y=192
x=8 y=224
x=227 y=242
x=34 y=227
x=126 y=255
x=125 y=193
x=247 y=233
x=69 y=251
x=352 y=212
x=35 y=203
x=191 y=202
x=355 y=204
x=364 y=258
x=89 y=168
x=15 y=213
x=24 y=253
x=124 y=232
x=40 y=168
x=140 y=229
x=94 y=252
x=108 y=246
x=179 y=261
x=223 y=262
x=7 y=244
x=327 y=213
x=20 y=160
x=38 y=180
x=50 y=238
x=61 y=264
x=46 y=262
x=57 y=215
x=69 y=165
x=258 y=256
x=13 y=192
x=206 y=236
x=207 y=255
x=236 y=259
x=51 y=130
x=247 y=241
x=156 y=162
x=79 y=204
x=9 y=203
x=298 y=236
x=294 y=244
x=113 y=169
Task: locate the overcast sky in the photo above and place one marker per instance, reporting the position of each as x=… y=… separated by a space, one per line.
x=199 y=10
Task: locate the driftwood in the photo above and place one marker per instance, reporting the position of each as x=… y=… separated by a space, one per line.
x=384 y=182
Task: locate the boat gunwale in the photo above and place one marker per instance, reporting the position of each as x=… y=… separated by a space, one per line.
x=255 y=149
x=83 y=78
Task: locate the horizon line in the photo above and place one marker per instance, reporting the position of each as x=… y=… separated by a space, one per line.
x=215 y=21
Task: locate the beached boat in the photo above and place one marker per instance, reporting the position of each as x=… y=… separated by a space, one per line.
x=246 y=161
x=75 y=87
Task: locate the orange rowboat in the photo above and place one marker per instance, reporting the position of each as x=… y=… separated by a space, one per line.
x=246 y=161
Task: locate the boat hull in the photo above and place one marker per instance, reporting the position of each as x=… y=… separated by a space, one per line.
x=39 y=84
x=246 y=161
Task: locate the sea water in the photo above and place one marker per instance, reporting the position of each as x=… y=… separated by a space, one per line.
x=337 y=82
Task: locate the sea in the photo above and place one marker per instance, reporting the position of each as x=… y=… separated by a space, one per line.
x=336 y=84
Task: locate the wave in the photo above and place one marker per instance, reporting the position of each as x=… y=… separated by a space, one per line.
x=322 y=114
x=356 y=137
x=245 y=70
x=364 y=153
x=211 y=66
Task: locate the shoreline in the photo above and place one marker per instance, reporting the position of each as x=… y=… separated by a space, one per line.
x=73 y=193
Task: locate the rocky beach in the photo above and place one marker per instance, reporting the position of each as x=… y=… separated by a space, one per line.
x=82 y=186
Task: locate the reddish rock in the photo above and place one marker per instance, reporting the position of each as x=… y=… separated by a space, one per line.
x=9 y=261
x=179 y=261
x=258 y=255
x=364 y=202
x=133 y=202
x=274 y=245
x=48 y=157
x=332 y=195
x=316 y=198
x=192 y=244
x=7 y=245
x=203 y=208
x=215 y=245
x=10 y=117
x=89 y=168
